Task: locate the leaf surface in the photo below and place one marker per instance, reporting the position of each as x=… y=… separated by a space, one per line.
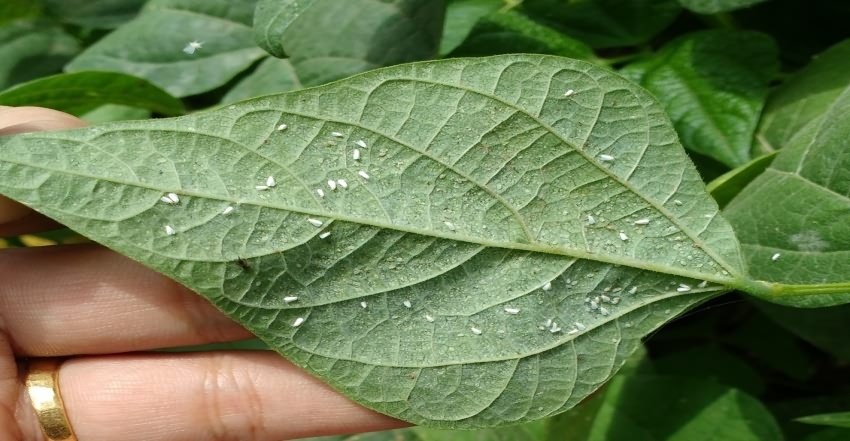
x=714 y=95
x=81 y=92
x=461 y=17
x=273 y=75
x=366 y=34
x=490 y=296
x=805 y=97
x=31 y=50
x=154 y=45
x=99 y=14
x=725 y=187
x=791 y=219
x=715 y=6
x=607 y=23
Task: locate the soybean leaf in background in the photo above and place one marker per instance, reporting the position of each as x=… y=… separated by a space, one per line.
x=713 y=94
x=273 y=75
x=607 y=23
x=724 y=188
x=365 y=34
x=99 y=14
x=715 y=6
x=805 y=97
x=461 y=17
x=649 y=408
x=710 y=362
x=825 y=328
x=31 y=49
x=81 y=92
x=157 y=46
x=840 y=419
x=792 y=219
x=114 y=112
x=829 y=435
x=513 y=228
x=531 y=431
x=512 y=32
x=11 y=10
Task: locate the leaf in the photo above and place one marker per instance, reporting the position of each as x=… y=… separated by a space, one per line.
x=81 y=92
x=461 y=17
x=608 y=23
x=829 y=435
x=273 y=75
x=512 y=32
x=531 y=431
x=839 y=419
x=152 y=45
x=710 y=362
x=32 y=49
x=713 y=95
x=649 y=408
x=366 y=34
x=114 y=112
x=11 y=10
x=724 y=188
x=715 y=6
x=482 y=175
x=789 y=219
x=805 y=97
x=98 y=14
x=825 y=328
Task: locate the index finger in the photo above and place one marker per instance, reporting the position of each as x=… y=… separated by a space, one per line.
x=14 y=217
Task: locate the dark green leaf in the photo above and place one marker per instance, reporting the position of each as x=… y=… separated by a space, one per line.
x=512 y=32
x=273 y=75
x=326 y=40
x=100 y=14
x=826 y=328
x=81 y=92
x=840 y=419
x=461 y=17
x=532 y=431
x=709 y=362
x=651 y=408
x=11 y=10
x=792 y=219
x=154 y=45
x=829 y=435
x=482 y=175
x=724 y=188
x=114 y=112
x=714 y=95
x=29 y=50
x=715 y=6
x=608 y=23
x=806 y=97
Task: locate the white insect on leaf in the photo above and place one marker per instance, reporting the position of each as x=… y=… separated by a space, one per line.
x=261 y=187
x=363 y=305
x=270 y=182
x=361 y=143
x=166 y=200
x=775 y=257
x=227 y=210
x=677 y=202
x=337 y=135
x=169 y=230
x=173 y=198
x=606 y=158
x=281 y=127
x=603 y=310
x=332 y=184
x=546 y=286
x=580 y=326
x=569 y=92
x=450 y=225
x=703 y=284
x=683 y=288
x=315 y=222
x=363 y=175
x=642 y=222
x=429 y=318
x=325 y=235
x=342 y=183
x=475 y=330
x=590 y=219
x=623 y=236
x=356 y=154
x=407 y=304
x=320 y=192
x=192 y=46
x=290 y=299
x=298 y=322
x=512 y=311
x=633 y=290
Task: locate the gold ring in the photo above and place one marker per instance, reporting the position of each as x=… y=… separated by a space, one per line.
x=43 y=389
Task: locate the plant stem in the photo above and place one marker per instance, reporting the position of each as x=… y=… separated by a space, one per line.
x=777 y=290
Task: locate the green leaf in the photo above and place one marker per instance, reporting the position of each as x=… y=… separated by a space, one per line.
x=790 y=219
x=840 y=419
x=715 y=6
x=650 y=408
x=512 y=32
x=81 y=92
x=608 y=23
x=11 y=10
x=461 y=17
x=114 y=112
x=724 y=188
x=710 y=362
x=829 y=435
x=825 y=328
x=482 y=175
x=152 y=45
x=366 y=34
x=714 y=95
x=99 y=14
x=805 y=97
x=273 y=75
x=531 y=431
x=32 y=49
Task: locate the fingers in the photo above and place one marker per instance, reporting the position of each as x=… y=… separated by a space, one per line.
x=249 y=396
x=16 y=218
x=85 y=299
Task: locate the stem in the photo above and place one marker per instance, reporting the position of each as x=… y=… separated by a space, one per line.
x=778 y=290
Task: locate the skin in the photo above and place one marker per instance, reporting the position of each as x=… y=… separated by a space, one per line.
x=102 y=312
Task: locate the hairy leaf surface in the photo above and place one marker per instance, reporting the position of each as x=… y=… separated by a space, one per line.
x=714 y=95
x=488 y=271
x=792 y=219
x=366 y=34
x=154 y=45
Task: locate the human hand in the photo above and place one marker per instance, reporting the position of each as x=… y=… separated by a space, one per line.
x=97 y=309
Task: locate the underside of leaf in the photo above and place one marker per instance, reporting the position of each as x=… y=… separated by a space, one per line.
x=512 y=228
